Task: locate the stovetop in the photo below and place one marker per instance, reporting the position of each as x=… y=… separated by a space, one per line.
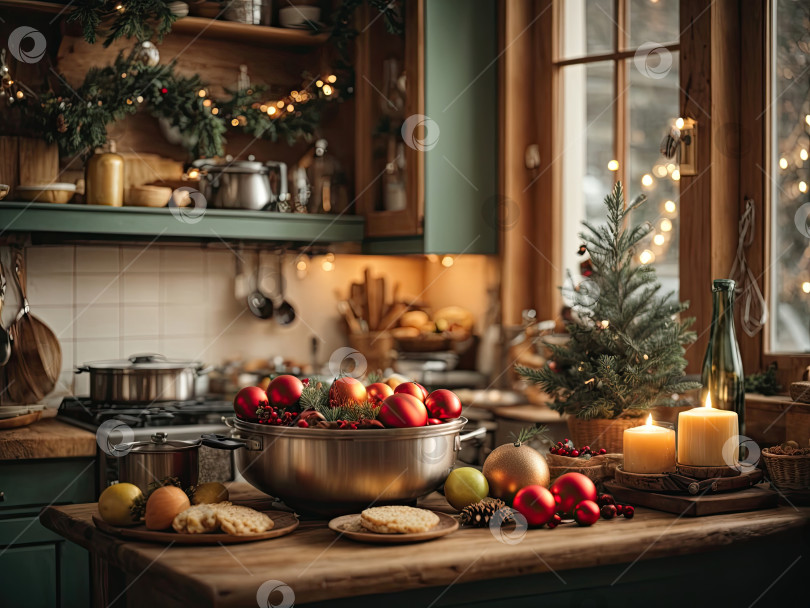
x=179 y=418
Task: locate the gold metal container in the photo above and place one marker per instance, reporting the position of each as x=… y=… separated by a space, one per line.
x=104 y=178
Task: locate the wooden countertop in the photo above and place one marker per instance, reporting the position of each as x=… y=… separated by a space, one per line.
x=319 y=565
x=48 y=438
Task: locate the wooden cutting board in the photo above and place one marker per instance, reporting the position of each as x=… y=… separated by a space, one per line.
x=751 y=499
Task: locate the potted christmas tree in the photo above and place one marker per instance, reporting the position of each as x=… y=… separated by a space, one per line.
x=625 y=354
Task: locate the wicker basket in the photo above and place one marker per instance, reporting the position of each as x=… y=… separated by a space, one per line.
x=607 y=433
x=788 y=472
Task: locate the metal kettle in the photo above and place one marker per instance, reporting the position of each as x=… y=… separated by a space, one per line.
x=246 y=184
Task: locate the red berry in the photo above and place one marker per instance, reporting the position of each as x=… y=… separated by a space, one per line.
x=587 y=448
x=603 y=451
x=629 y=512
x=551 y=449
x=303 y=424
x=605 y=499
x=608 y=511
x=566 y=440
x=619 y=509
x=575 y=453
x=552 y=524
x=559 y=444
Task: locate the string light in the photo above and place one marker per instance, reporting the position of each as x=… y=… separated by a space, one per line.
x=669 y=206
x=319 y=83
x=605 y=324
x=124 y=75
x=234 y=123
x=660 y=170
x=676 y=175
x=214 y=111
x=613 y=165
x=806 y=287
x=659 y=239
x=448 y=261
x=332 y=78
x=803 y=154
x=193 y=173
x=807 y=119
x=139 y=99
x=207 y=103
x=20 y=95
x=783 y=164
x=679 y=123
x=327 y=90
x=647 y=180
x=290 y=107
x=666 y=225
x=802 y=187
x=646 y=257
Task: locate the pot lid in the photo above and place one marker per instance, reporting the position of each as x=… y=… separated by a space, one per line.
x=159 y=442
x=146 y=361
x=238 y=166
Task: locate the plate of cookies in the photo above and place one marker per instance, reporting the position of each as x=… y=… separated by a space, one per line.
x=394 y=524
x=206 y=524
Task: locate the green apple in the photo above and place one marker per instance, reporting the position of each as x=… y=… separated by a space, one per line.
x=465 y=486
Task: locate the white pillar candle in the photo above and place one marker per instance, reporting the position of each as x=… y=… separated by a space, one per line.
x=649 y=449
x=707 y=437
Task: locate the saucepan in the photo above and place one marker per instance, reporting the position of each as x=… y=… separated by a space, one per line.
x=332 y=472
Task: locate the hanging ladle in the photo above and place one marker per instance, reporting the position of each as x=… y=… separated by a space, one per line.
x=285 y=313
x=259 y=304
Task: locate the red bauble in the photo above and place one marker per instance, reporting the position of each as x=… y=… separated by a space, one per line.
x=247 y=401
x=443 y=404
x=378 y=391
x=285 y=391
x=412 y=388
x=573 y=488
x=586 y=513
x=347 y=390
x=402 y=411
x=536 y=504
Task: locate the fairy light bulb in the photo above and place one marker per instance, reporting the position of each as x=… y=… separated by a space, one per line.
x=646 y=180
x=234 y=122
x=676 y=175
x=613 y=165
x=331 y=78
x=806 y=287
x=803 y=154
x=679 y=123
x=802 y=187
x=271 y=110
x=666 y=225
x=659 y=239
x=290 y=107
x=783 y=164
x=669 y=207
x=448 y=261
x=660 y=170
x=327 y=90
x=807 y=119
x=319 y=83
x=646 y=257
x=328 y=266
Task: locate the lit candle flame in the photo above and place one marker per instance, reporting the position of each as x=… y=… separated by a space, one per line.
x=649 y=420
x=708 y=400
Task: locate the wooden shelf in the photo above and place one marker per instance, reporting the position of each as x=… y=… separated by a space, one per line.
x=92 y=222
x=261 y=35
x=244 y=33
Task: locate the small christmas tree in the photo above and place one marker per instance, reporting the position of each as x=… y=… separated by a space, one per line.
x=626 y=347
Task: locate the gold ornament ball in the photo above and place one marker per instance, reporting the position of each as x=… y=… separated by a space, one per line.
x=511 y=467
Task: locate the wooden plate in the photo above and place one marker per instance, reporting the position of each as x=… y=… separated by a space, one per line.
x=18 y=421
x=284 y=524
x=347 y=525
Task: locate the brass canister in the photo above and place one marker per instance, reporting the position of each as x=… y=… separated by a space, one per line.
x=104 y=178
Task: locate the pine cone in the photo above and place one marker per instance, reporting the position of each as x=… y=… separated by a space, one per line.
x=480 y=513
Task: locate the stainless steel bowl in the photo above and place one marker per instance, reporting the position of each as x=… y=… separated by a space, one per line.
x=330 y=472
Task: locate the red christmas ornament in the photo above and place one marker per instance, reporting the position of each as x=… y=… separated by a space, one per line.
x=247 y=401
x=629 y=511
x=285 y=391
x=443 y=404
x=347 y=390
x=402 y=410
x=536 y=504
x=378 y=391
x=586 y=268
x=412 y=388
x=573 y=488
x=586 y=513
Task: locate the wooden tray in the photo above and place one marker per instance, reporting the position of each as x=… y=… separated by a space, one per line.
x=348 y=526
x=682 y=484
x=18 y=421
x=706 y=472
x=284 y=521
x=750 y=499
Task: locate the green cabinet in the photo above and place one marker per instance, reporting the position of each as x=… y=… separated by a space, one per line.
x=39 y=568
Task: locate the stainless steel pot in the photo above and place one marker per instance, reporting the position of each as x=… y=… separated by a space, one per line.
x=328 y=472
x=244 y=185
x=143 y=379
x=144 y=462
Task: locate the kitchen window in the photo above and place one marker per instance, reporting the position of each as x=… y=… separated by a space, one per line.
x=789 y=166
x=617 y=69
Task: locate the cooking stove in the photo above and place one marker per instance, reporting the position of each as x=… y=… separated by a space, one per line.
x=178 y=419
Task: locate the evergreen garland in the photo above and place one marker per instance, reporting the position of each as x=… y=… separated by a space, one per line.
x=626 y=347
x=139 y=19
x=77 y=119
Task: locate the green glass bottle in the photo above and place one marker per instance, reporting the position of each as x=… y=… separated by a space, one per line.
x=722 y=374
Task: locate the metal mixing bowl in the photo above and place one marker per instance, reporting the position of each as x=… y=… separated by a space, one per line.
x=329 y=472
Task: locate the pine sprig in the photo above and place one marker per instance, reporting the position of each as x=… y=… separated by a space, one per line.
x=528 y=433
x=626 y=348
x=139 y=19
x=315 y=396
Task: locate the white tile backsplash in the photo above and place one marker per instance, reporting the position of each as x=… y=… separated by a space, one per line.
x=111 y=302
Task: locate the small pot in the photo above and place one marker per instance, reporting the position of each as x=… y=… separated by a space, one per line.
x=144 y=462
x=245 y=184
x=143 y=378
